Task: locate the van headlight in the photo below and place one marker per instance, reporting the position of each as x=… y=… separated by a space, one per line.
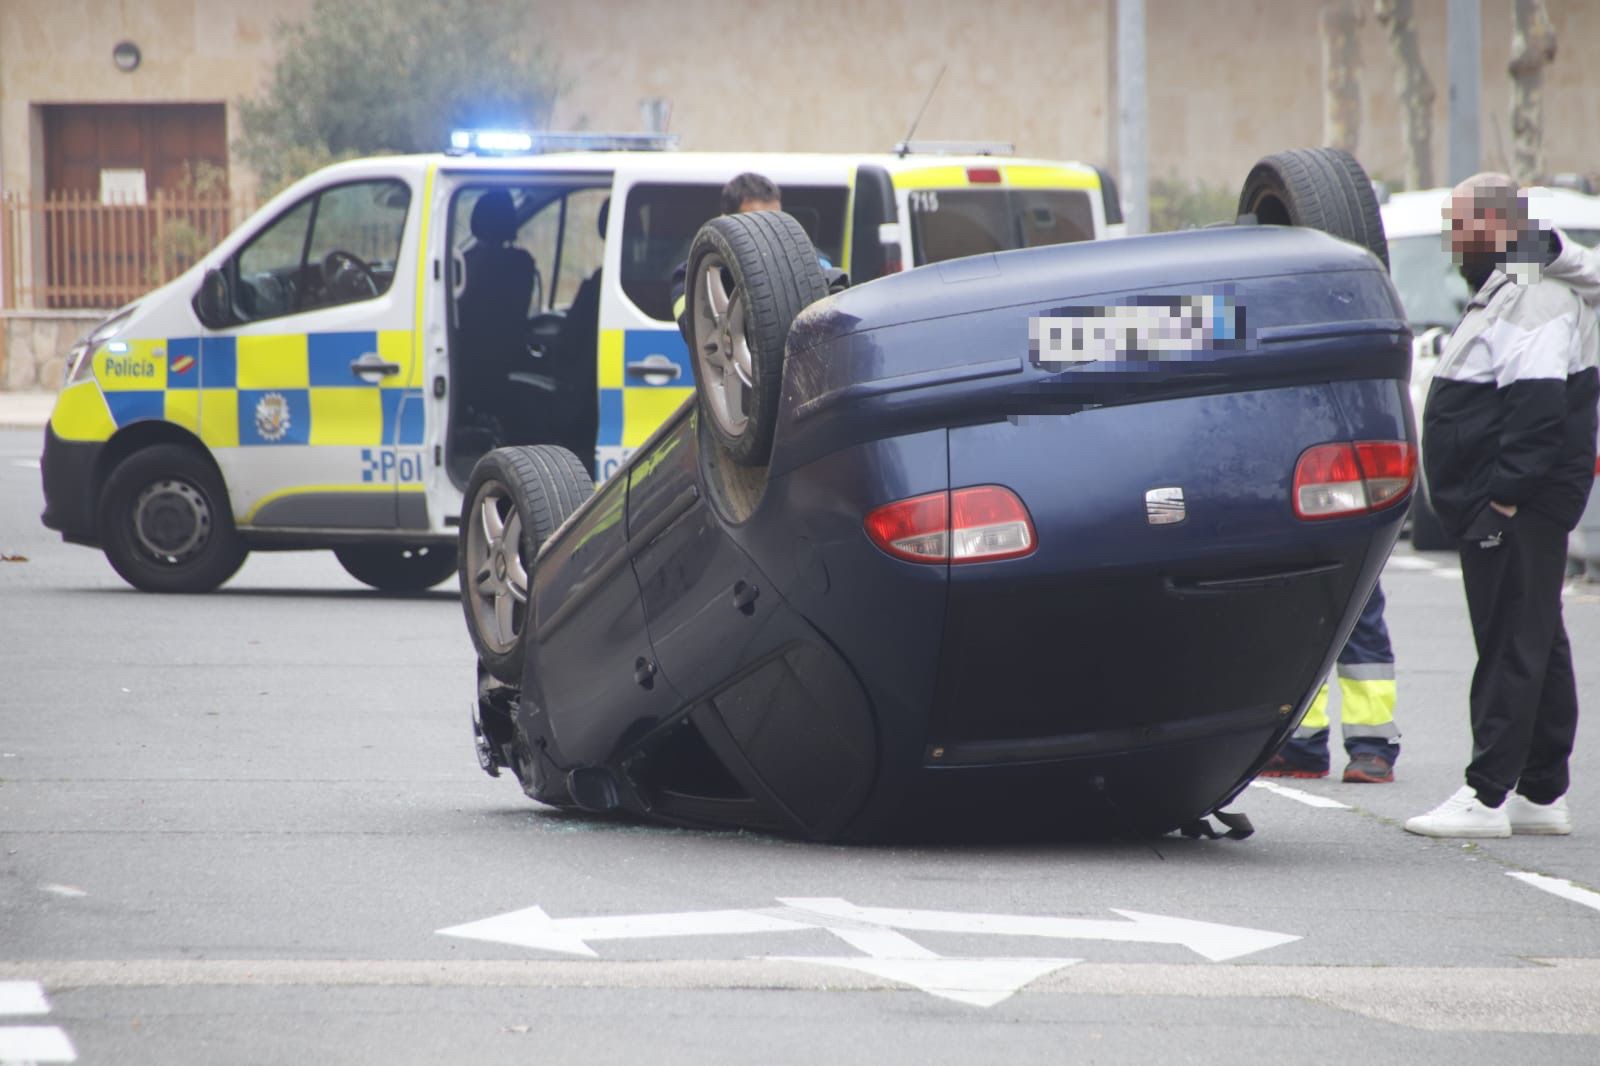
x=81 y=358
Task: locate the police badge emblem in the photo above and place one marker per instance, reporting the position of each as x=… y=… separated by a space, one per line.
x=272 y=416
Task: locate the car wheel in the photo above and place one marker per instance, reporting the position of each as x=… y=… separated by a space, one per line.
x=1323 y=188
x=165 y=522
x=398 y=567
x=1427 y=532
x=749 y=276
x=515 y=499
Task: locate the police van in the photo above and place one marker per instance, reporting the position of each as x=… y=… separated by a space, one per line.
x=328 y=375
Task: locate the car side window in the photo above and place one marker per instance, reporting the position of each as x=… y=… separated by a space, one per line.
x=660 y=222
x=337 y=246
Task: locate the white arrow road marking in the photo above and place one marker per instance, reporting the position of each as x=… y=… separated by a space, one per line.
x=894 y=957
x=35 y=1043
x=1308 y=798
x=22 y=997
x=978 y=982
x=30 y=1043
x=533 y=928
x=1559 y=886
x=1209 y=939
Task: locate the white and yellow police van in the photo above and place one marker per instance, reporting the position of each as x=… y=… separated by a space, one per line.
x=327 y=376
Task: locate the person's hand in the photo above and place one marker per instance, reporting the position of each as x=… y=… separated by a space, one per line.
x=1507 y=509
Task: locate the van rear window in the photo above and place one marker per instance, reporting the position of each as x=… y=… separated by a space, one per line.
x=662 y=220
x=951 y=223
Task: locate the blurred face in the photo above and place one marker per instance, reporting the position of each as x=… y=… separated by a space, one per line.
x=760 y=205
x=1480 y=222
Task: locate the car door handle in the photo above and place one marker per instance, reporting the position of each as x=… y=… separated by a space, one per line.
x=655 y=366
x=373 y=363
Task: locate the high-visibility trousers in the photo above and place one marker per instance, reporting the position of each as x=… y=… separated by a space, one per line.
x=1365 y=671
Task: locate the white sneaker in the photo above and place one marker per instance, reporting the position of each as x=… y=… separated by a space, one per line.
x=1462 y=816
x=1538 y=819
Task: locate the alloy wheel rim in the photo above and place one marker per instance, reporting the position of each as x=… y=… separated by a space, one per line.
x=498 y=575
x=725 y=366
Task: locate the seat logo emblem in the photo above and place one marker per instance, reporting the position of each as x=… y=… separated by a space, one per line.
x=1164 y=506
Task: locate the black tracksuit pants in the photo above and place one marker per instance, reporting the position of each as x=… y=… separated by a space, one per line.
x=1524 y=699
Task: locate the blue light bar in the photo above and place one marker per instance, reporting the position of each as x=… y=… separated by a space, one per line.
x=523 y=142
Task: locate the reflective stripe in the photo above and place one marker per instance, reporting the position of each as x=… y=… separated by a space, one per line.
x=611 y=348
x=678 y=306
x=1316 y=719
x=1368 y=706
x=81 y=414
x=931 y=178
x=303 y=490
x=643 y=410
x=414 y=378
x=1388 y=731
x=1366 y=671
x=1034 y=177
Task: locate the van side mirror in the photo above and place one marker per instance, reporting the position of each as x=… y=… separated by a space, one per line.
x=213 y=305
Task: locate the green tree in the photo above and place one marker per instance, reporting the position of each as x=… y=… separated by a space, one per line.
x=367 y=77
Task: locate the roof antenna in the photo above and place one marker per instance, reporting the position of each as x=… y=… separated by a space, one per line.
x=905 y=145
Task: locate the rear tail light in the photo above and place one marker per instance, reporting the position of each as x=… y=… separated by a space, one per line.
x=983 y=175
x=977 y=524
x=1339 y=480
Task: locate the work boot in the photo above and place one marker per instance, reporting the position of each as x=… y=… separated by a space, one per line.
x=1538 y=819
x=1368 y=768
x=1288 y=763
x=1462 y=815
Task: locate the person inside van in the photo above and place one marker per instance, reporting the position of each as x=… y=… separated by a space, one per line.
x=493 y=306
x=745 y=192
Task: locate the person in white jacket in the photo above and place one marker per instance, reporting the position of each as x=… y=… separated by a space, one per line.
x=1509 y=453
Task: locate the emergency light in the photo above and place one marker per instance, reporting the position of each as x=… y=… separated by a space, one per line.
x=527 y=142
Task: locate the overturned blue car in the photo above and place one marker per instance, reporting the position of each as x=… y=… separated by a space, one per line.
x=1060 y=540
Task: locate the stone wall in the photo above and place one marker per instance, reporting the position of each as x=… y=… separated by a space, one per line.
x=34 y=346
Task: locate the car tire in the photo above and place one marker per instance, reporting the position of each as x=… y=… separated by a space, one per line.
x=515 y=499
x=749 y=275
x=1427 y=532
x=398 y=567
x=1322 y=188
x=165 y=522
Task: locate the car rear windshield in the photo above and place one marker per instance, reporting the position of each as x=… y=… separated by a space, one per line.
x=662 y=220
x=950 y=223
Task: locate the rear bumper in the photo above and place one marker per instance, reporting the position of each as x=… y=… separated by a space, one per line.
x=67 y=469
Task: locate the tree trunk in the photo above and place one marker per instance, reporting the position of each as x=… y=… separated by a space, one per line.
x=1341 y=74
x=1414 y=89
x=1533 y=46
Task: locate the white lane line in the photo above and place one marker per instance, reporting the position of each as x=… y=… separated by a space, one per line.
x=1308 y=798
x=30 y=464
x=22 y=997
x=1560 y=886
x=35 y=1043
x=1451 y=573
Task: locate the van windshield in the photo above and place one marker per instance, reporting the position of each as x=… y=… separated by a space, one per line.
x=950 y=223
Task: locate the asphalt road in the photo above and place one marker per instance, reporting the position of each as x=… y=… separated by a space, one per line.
x=232 y=828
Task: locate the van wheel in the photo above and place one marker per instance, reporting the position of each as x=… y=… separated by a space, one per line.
x=166 y=524
x=1323 y=188
x=749 y=276
x=398 y=567
x=515 y=499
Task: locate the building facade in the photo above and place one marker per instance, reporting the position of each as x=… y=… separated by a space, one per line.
x=123 y=101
